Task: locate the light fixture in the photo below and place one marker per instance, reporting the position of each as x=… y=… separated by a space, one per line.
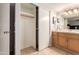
x=75 y=10
x=65 y=13
x=70 y=12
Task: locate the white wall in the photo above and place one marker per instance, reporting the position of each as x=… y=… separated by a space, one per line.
x=28 y=32
x=17 y=30
x=56 y=26
x=43 y=28
x=52 y=26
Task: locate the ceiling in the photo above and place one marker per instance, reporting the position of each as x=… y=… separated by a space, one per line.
x=56 y=6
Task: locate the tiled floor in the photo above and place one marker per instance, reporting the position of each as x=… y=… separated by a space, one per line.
x=47 y=51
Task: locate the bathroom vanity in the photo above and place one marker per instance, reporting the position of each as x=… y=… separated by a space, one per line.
x=67 y=41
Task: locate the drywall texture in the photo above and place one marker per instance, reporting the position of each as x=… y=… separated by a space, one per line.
x=17 y=30
x=28 y=32
x=43 y=28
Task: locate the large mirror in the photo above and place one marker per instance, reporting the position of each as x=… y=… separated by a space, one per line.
x=71 y=18
x=71 y=23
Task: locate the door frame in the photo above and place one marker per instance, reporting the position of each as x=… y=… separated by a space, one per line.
x=37 y=26
x=12 y=29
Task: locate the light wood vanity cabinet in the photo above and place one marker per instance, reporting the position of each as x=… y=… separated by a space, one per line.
x=73 y=43
x=68 y=41
x=54 y=37
x=62 y=41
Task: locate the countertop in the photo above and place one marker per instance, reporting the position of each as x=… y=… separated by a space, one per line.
x=68 y=31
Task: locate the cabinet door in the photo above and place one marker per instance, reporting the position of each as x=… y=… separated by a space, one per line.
x=54 y=39
x=73 y=44
x=63 y=41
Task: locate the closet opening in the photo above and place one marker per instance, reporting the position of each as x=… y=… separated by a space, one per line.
x=28 y=28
